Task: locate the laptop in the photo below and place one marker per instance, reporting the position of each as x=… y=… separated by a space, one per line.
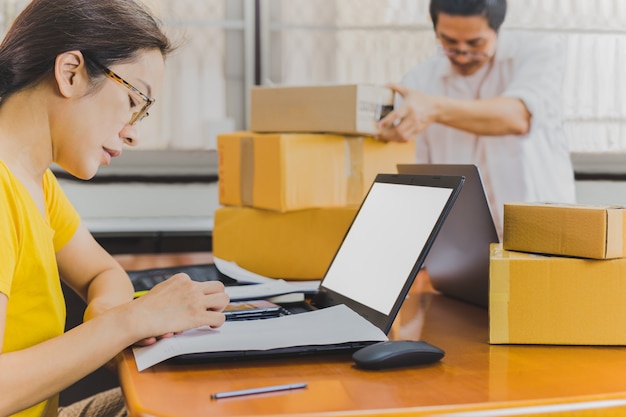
x=374 y=266
x=458 y=262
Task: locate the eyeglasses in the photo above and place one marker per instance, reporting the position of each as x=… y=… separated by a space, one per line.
x=143 y=112
x=453 y=53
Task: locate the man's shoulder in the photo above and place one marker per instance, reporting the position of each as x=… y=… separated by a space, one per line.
x=520 y=43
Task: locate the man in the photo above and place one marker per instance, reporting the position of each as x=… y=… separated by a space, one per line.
x=490 y=99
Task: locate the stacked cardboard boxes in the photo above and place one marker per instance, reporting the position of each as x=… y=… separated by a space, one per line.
x=559 y=277
x=290 y=187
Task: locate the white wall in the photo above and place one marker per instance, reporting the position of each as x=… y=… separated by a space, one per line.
x=109 y=205
x=137 y=207
x=601 y=192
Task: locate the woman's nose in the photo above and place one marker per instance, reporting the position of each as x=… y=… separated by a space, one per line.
x=130 y=135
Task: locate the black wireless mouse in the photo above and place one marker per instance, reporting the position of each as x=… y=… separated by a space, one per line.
x=396 y=354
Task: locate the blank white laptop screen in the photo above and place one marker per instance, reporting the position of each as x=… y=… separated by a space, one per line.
x=382 y=245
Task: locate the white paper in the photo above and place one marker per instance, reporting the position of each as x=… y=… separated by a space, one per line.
x=337 y=324
x=270 y=289
x=234 y=271
x=265 y=287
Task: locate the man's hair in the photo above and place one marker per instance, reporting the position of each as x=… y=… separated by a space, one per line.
x=105 y=31
x=492 y=10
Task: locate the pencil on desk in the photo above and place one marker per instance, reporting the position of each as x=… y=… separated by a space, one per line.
x=261 y=390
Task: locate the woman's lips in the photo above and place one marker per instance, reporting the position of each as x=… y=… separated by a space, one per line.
x=113 y=152
x=110 y=154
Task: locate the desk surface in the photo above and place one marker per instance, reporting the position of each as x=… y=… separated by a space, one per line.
x=472 y=376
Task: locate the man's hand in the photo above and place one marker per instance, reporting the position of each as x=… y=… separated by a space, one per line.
x=413 y=116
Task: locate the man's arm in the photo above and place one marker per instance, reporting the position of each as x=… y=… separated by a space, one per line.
x=487 y=117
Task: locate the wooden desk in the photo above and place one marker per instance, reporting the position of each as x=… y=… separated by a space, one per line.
x=472 y=376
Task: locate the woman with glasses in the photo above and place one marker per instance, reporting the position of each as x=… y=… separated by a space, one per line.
x=76 y=79
x=490 y=99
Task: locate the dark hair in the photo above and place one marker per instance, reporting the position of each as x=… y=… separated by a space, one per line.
x=493 y=10
x=105 y=31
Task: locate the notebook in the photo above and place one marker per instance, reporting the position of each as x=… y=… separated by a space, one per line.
x=458 y=262
x=370 y=274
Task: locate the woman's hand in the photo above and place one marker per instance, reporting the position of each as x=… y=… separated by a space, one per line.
x=179 y=304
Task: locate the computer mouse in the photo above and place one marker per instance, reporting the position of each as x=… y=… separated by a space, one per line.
x=396 y=354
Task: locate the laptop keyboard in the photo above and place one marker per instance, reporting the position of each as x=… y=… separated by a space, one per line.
x=146 y=279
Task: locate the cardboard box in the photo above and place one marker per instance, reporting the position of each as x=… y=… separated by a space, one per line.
x=350 y=109
x=286 y=172
x=538 y=299
x=294 y=245
x=585 y=231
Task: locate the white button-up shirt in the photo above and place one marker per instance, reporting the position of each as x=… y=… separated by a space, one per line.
x=535 y=167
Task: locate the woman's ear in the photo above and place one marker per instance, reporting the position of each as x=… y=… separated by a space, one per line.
x=70 y=74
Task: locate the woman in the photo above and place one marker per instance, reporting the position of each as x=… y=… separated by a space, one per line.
x=76 y=78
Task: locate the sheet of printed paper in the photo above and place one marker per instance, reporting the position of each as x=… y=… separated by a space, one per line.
x=337 y=324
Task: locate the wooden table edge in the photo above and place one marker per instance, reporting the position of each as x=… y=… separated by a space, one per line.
x=607 y=404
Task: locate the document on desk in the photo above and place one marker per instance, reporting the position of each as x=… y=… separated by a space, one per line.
x=234 y=271
x=332 y=325
x=260 y=286
x=270 y=289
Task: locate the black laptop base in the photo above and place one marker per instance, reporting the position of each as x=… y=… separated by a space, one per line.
x=145 y=279
x=280 y=353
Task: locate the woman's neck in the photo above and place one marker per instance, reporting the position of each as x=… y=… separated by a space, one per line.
x=25 y=143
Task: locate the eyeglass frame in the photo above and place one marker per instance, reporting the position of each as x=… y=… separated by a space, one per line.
x=138 y=115
x=453 y=53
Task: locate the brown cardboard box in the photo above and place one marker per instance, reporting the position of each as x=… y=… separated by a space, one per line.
x=293 y=245
x=566 y=229
x=285 y=172
x=350 y=109
x=536 y=299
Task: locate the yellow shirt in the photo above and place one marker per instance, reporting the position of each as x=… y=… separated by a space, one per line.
x=28 y=270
